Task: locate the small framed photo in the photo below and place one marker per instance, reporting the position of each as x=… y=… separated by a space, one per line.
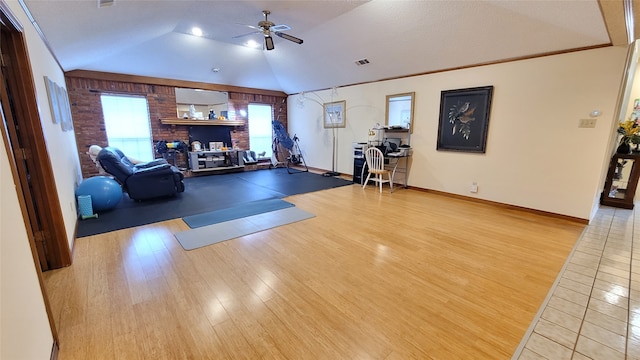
x=464 y=119
x=215 y=145
x=335 y=114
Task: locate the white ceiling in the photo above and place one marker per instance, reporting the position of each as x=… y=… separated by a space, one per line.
x=399 y=38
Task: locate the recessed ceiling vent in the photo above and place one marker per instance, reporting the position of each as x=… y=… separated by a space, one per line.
x=105 y=3
x=362 y=62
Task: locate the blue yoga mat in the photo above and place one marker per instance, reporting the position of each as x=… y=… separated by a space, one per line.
x=236 y=212
x=212 y=234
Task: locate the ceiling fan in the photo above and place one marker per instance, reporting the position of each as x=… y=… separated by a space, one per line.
x=267 y=28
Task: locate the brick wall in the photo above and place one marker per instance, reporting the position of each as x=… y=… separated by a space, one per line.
x=88 y=122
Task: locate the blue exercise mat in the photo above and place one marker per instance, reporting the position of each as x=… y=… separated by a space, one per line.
x=204 y=194
x=236 y=212
x=215 y=233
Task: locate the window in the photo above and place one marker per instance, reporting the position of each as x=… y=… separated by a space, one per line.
x=260 y=129
x=126 y=120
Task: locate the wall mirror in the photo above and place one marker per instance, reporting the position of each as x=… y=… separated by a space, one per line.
x=203 y=101
x=400 y=110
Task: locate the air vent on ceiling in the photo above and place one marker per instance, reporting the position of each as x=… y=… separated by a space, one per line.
x=362 y=62
x=105 y=3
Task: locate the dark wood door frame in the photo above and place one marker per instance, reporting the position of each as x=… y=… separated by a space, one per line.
x=27 y=148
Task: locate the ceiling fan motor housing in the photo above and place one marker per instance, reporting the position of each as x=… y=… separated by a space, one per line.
x=265 y=25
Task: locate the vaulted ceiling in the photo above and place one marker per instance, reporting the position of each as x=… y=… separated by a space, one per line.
x=398 y=38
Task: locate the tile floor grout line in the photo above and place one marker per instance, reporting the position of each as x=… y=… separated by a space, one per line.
x=628 y=334
x=545 y=302
x=545 y=305
x=595 y=276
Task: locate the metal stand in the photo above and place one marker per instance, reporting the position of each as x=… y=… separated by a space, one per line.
x=333 y=171
x=295 y=155
x=296 y=158
x=275 y=159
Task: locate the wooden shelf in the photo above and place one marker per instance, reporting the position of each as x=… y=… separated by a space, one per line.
x=202 y=122
x=396 y=130
x=622 y=181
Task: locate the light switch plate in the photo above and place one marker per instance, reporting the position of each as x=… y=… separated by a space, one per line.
x=587 y=123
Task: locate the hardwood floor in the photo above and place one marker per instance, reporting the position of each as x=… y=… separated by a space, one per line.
x=408 y=275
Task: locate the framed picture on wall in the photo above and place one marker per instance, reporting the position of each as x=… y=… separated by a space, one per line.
x=335 y=114
x=54 y=105
x=65 y=109
x=464 y=119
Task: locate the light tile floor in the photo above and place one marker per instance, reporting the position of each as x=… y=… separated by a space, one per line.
x=593 y=309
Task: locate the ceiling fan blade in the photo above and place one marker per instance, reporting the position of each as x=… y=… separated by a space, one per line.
x=268 y=42
x=249 y=26
x=288 y=37
x=247 y=34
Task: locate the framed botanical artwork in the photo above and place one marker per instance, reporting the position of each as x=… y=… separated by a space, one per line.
x=335 y=114
x=54 y=105
x=464 y=119
x=65 y=109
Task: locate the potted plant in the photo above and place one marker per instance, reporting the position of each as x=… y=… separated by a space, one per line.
x=630 y=131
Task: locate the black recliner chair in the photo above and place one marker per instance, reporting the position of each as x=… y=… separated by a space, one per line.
x=142 y=181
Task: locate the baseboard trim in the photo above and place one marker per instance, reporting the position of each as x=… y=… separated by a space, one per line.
x=481 y=201
x=314 y=170
x=503 y=205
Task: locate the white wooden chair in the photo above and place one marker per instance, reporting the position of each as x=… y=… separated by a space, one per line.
x=375 y=162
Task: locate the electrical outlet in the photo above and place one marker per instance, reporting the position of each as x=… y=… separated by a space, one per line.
x=587 y=123
x=474 y=187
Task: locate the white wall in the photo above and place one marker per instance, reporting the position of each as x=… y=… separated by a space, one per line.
x=25 y=331
x=632 y=90
x=61 y=145
x=536 y=155
x=24 y=326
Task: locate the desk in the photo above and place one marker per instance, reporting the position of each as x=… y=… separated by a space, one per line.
x=394 y=161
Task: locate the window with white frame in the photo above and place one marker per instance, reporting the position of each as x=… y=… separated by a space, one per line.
x=126 y=119
x=260 y=139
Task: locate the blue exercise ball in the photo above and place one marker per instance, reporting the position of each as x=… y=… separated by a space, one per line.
x=105 y=192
